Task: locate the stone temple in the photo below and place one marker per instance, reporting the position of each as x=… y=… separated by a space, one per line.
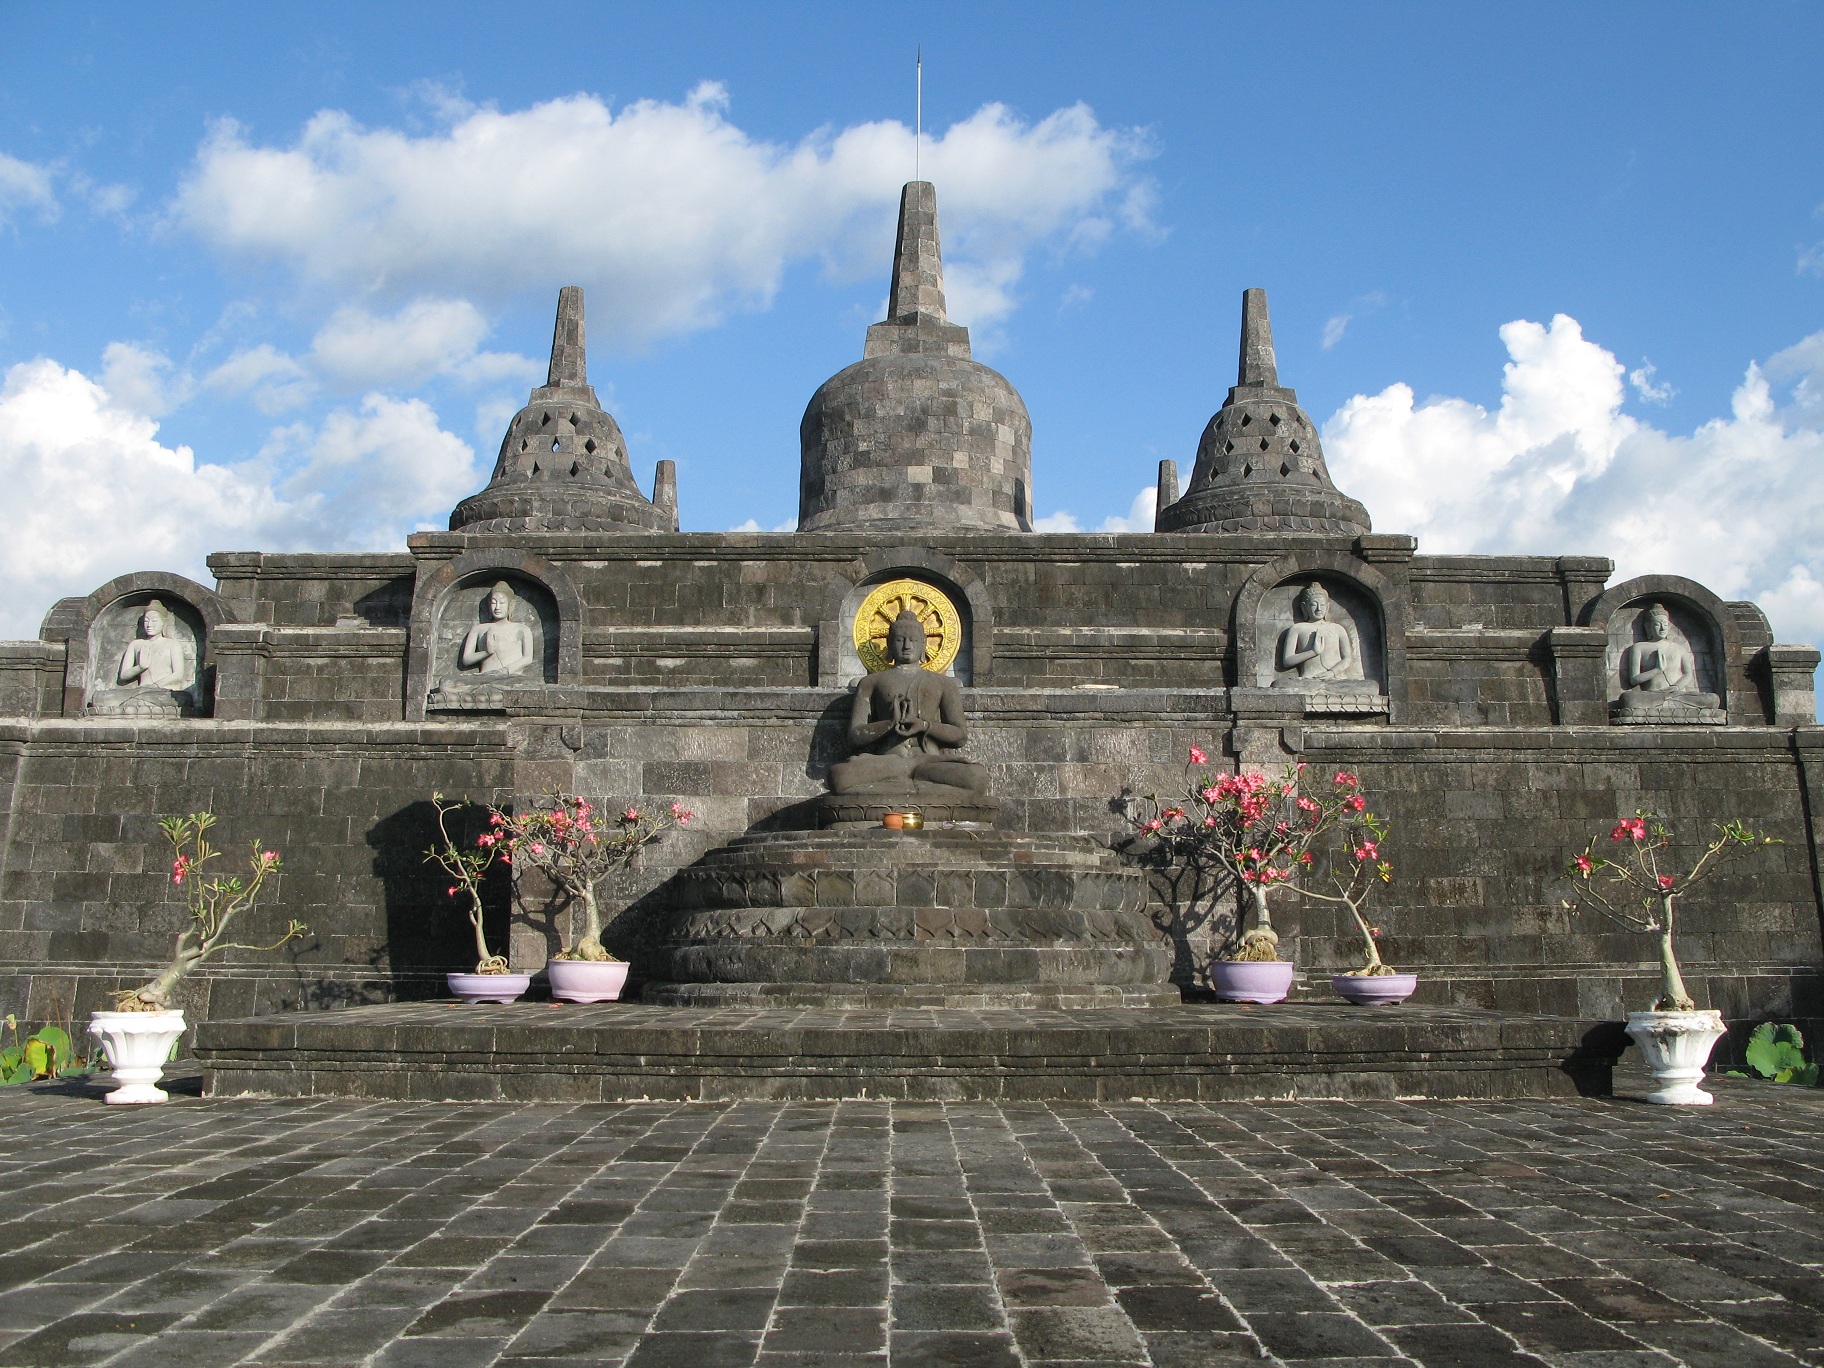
x=563 y=635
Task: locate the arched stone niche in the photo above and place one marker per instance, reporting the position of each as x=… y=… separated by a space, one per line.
x=1699 y=632
x=840 y=664
x=454 y=608
x=1362 y=606
x=116 y=667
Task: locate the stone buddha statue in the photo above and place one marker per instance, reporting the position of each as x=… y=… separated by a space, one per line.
x=157 y=658
x=497 y=644
x=1321 y=651
x=1659 y=672
x=905 y=732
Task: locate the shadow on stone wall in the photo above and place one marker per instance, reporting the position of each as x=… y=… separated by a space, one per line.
x=427 y=931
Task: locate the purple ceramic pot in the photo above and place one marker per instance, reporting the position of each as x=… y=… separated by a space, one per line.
x=489 y=987
x=1258 y=981
x=1375 y=990
x=587 y=980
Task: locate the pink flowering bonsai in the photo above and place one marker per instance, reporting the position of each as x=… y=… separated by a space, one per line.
x=1257 y=833
x=468 y=865
x=1637 y=885
x=572 y=846
x=212 y=904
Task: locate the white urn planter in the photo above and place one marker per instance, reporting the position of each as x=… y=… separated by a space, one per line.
x=500 y=988
x=137 y=1045
x=587 y=980
x=1676 y=1046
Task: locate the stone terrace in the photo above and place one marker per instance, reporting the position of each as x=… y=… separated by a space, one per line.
x=794 y=1234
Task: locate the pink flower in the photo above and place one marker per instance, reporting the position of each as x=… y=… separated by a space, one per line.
x=1355 y=802
x=1344 y=779
x=1629 y=828
x=1367 y=850
x=1306 y=805
x=487 y=838
x=180 y=867
x=1305 y=858
x=1584 y=864
x=269 y=857
x=631 y=815
x=1198 y=757
x=1375 y=931
x=1209 y=824
x=538 y=847
x=1209 y=795
x=1666 y=881
x=1154 y=824
x=452 y=890
x=496 y=819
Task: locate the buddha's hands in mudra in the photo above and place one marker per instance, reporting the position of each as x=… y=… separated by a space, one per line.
x=904 y=722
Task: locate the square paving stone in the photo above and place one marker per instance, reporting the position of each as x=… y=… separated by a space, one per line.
x=480 y=1314
x=579 y=1335
x=1176 y=1308
x=192 y=1349
x=945 y=1306
x=1095 y=1333
x=695 y=1350
x=716 y=1309
x=843 y=1287
x=1460 y=1346
x=1192 y=1349
x=83 y=1338
x=839 y=1330
x=1051 y=1287
x=1316 y=1335
x=952 y=1349
x=1553 y=1327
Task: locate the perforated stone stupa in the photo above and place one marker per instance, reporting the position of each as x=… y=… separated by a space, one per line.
x=1260 y=467
x=563 y=464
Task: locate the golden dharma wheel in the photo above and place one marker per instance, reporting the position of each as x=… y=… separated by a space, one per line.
x=943 y=624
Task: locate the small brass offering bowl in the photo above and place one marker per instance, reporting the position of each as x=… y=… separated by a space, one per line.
x=914 y=821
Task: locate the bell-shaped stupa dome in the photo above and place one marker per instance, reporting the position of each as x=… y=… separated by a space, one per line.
x=916 y=436
x=1259 y=466
x=563 y=463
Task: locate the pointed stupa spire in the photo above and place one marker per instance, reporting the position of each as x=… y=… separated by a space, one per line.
x=1258 y=364
x=917 y=293
x=569 y=364
x=563 y=463
x=916 y=436
x=1260 y=467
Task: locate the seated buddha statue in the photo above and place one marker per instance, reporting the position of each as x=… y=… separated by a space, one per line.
x=1659 y=672
x=157 y=659
x=497 y=644
x=906 y=729
x=1321 y=653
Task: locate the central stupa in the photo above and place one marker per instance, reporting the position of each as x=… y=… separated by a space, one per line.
x=916 y=436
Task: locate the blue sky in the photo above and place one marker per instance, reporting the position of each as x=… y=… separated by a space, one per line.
x=276 y=277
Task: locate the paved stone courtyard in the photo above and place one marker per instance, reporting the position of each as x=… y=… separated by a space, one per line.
x=1589 y=1233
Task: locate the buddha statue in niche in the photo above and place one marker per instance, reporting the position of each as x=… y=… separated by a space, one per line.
x=1659 y=672
x=497 y=644
x=157 y=659
x=906 y=726
x=1321 y=651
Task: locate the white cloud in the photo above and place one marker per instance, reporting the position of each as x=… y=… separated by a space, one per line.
x=1334 y=328
x=1737 y=505
x=669 y=212
x=96 y=494
x=1650 y=391
x=1138 y=518
x=753 y=525
x=25 y=186
x=141 y=380
x=274 y=381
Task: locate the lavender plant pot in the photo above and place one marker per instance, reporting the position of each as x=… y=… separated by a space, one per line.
x=489 y=987
x=1258 y=981
x=1375 y=990
x=587 y=980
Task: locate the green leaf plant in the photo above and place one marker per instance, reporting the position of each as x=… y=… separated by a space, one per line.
x=1778 y=1052
x=45 y=1053
x=213 y=904
x=1633 y=888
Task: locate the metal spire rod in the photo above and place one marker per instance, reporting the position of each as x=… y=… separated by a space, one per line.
x=918 y=116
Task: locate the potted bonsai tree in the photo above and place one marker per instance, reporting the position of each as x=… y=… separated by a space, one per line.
x=1637 y=886
x=1251 y=832
x=468 y=863
x=1375 y=983
x=567 y=842
x=138 y=1035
